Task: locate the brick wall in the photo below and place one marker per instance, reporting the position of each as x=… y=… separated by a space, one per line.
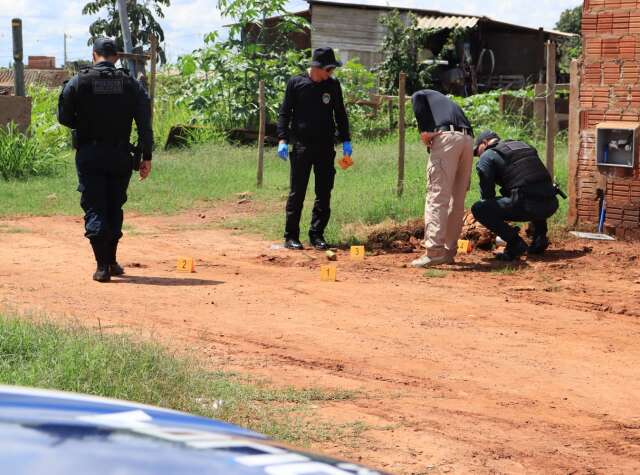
x=41 y=62
x=609 y=91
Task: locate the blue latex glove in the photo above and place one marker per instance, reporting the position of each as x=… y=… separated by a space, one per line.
x=347 y=149
x=283 y=151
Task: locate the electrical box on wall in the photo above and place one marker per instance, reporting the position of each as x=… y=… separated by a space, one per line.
x=617 y=144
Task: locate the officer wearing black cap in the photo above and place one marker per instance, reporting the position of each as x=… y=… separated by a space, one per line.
x=312 y=118
x=527 y=189
x=100 y=105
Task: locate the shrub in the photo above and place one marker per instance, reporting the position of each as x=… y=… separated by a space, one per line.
x=22 y=156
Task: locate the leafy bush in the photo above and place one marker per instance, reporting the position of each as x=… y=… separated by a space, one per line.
x=356 y=80
x=22 y=156
x=222 y=77
x=44 y=121
x=401 y=50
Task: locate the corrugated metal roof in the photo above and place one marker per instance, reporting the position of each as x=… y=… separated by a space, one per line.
x=47 y=77
x=449 y=21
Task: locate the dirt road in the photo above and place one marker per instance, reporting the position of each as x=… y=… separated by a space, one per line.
x=479 y=371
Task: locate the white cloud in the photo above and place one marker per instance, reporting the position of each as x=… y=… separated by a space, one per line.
x=187 y=21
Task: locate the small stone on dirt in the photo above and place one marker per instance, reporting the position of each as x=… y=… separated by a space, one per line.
x=331 y=256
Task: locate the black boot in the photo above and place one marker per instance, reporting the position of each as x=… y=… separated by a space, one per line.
x=293 y=244
x=515 y=248
x=318 y=242
x=101 y=253
x=114 y=268
x=539 y=245
x=102 y=273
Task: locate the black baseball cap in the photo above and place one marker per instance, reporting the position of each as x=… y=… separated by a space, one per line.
x=485 y=135
x=105 y=47
x=324 y=58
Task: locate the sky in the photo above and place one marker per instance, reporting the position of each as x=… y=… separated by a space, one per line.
x=186 y=21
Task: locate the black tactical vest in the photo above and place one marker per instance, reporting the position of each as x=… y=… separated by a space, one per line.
x=523 y=166
x=106 y=100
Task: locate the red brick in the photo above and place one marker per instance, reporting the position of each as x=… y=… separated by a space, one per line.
x=611 y=73
x=620 y=22
x=627 y=47
x=593 y=47
x=592 y=74
x=611 y=48
x=605 y=22
x=630 y=72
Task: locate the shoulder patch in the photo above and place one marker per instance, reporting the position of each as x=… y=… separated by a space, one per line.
x=108 y=86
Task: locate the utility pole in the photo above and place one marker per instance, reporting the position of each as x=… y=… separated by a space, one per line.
x=65 y=51
x=16 y=26
x=126 y=33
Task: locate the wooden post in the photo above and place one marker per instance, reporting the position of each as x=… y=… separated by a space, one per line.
x=391 y=118
x=551 y=104
x=261 y=131
x=401 y=131
x=154 y=64
x=16 y=27
x=574 y=143
x=539 y=107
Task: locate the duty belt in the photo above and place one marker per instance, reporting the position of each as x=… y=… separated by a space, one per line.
x=453 y=128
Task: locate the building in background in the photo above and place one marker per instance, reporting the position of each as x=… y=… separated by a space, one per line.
x=493 y=54
x=604 y=174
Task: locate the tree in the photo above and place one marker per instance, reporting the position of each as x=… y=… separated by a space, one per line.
x=401 y=48
x=570 y=22
x=221 y=78
x=141 y=18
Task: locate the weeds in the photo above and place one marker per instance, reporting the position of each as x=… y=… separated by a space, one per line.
x=505 y=270
x=22 y=156
x=41 y=354
x=434 y=274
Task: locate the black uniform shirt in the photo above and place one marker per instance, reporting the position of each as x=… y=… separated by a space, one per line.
x=434 y=109
x=490 y=169
x=312 y=111
x=68 y=110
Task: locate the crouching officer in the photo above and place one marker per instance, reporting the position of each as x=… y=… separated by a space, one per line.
x=527 y=189
x=100 y=104
x=311 y=113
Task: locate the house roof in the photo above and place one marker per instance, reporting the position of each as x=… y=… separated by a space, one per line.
x=449 y=21
x=434 y=18
x=51 y=78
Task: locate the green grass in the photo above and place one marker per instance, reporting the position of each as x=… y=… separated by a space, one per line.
x=363 y=195
x=505 y=270
x=38 y=353
x=434 y=274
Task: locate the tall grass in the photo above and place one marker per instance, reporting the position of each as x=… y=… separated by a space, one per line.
x=23 y=156
x=215 y=170
x=38 y=353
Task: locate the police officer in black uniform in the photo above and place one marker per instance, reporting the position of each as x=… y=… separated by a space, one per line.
x=100 y=104
x=527 y=189
x=312 y=118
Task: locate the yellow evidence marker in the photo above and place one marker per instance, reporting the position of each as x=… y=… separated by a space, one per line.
x=185 y=264
x=328 y=273
x=357 y=253
x=464 y=246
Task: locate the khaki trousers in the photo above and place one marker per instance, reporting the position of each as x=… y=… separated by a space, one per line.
x=449 y=175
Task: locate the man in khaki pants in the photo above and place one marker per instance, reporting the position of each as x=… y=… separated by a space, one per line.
x=447 y=133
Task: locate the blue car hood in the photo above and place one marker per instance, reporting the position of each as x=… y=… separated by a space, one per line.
x=51 y=432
